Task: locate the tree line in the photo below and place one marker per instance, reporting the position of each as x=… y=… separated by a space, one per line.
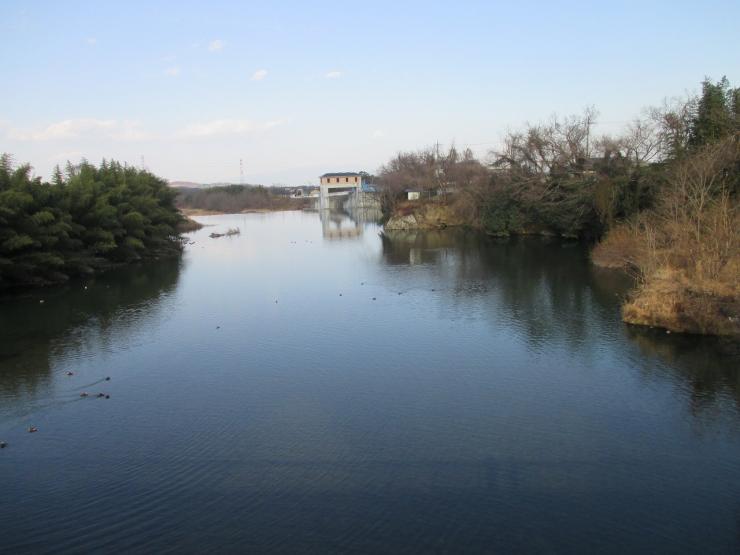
x=558 y=177
x=235 y=198
x=86 y=218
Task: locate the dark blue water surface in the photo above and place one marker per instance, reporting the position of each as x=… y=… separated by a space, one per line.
x=318 y=387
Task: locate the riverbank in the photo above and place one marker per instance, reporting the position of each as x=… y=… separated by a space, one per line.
x=190 y=212
x=423 y=215
x=671 y=295
x=674 y=295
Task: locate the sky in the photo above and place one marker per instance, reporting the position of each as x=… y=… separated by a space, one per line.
x=296 y=89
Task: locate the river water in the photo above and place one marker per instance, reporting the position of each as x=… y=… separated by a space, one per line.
x=313 y=386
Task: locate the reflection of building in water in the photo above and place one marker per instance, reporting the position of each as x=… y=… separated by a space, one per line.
x=337 y=224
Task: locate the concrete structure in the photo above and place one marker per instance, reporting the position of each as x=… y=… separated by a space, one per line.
x=353 y=188
x=340 y=184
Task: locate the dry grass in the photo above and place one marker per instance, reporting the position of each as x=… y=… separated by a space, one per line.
x=623 y=248
x=686 y=251
x=668 y=301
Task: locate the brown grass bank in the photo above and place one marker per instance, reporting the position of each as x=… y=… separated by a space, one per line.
x=686 y=252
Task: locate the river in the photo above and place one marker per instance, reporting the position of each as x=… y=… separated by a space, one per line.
x=312 y=386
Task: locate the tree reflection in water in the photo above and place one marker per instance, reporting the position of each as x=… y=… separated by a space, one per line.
x=546 y=288
x=80 y=317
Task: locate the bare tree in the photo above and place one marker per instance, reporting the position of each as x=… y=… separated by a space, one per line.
x=642 y=141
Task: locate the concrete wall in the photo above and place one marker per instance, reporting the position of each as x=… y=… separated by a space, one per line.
x=339 y=181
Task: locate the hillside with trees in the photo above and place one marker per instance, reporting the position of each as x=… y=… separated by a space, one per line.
x=662 y=197
x=87 y=218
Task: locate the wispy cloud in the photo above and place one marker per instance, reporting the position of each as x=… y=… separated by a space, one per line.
x=216 y=45
x=333 y=74
x=227 y=127
x=91 y=40
x=259 y=75
x=124 y=130
x=172 y=71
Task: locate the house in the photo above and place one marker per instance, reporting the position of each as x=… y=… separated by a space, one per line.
x=413 y=194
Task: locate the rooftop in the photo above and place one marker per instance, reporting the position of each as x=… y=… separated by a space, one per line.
x=340 y=174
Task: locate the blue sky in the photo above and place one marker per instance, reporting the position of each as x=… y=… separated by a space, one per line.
x=299 y=88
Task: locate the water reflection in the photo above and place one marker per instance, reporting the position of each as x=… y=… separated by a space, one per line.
x=544 y=287
x=339 y=224
x=707 y=366
x=548 y=291
x=43 y=327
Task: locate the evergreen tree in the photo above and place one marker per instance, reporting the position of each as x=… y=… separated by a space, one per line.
x=716 y=113
x=80 y=221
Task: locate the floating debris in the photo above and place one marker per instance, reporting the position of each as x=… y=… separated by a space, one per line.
x=69 y=373
x=32 y=429
x=107 y=378
x=230 y=232
x=373 y=298
x=84 y=394
x=3 y=445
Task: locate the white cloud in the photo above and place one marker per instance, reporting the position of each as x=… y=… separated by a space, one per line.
x=378 y=133
x=91 y=40
x=215 y=45
x=131 y=131
x=73 y=128
x=172 y=71
x=227 y=127
x=259 y=75
x=333 y=75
